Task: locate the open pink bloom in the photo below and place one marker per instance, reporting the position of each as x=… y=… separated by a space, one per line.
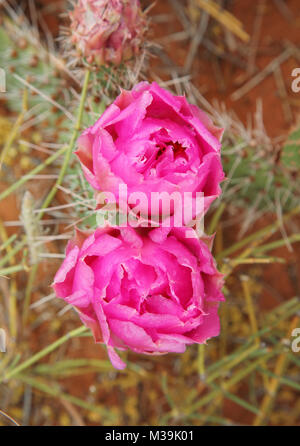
x=147 y=291
x=107 y=31
x=153 y=141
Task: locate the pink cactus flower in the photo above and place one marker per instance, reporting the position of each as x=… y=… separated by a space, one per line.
x=107 y=31
x=143 y=290
x=153 y=141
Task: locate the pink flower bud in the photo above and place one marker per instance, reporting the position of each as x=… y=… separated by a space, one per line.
x=107 y=31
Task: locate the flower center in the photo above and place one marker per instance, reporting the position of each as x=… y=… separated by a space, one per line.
x=178 y=149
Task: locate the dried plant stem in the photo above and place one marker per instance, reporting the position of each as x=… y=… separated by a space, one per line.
x=12 y=308
x=7 y=242
x=234 y=362
x=78 y=420
x=224 y=17
x=283 y=380
x=216 y=218
x=70 y=147
x=251 y=314
x=28 y=291
x=56 y=392
x=201 y=361
x=255 y=38
x=267 y=231
x=250 y=307
x=31 y=174
x=11 y=270
x=52 y=193
x=287 y=110
x=234 y=398
x=258 y=78
x=8 y=258
x=277 y=244
x=11 y=419
x=245 y=371
x=245 y=354
x=281 y=365
x=6 y=245
x=44 y=96
x=284 y=10
x=50 y=348
x=224 y=331
x=200 y=31
x=254 y=261
x=15 y=130
x=12 y=303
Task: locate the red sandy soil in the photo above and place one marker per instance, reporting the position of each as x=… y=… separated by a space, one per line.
x=275 y=31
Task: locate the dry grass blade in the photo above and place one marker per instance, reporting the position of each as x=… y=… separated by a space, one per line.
x=258 y=78
x=224 y=17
